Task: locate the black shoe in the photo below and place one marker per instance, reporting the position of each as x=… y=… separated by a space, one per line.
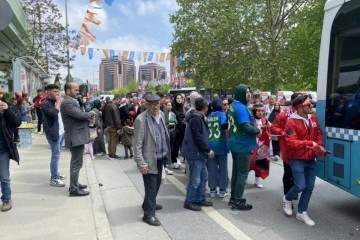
x=192 y=206
x=82 y=186
x=232 y=201
x=79 y=193
x=131 y=156
x=153 y=221
x=114 y=156
x=241 y=206
x=204 y=203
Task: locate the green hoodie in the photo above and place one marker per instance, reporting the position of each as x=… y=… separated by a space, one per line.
x=240 y=93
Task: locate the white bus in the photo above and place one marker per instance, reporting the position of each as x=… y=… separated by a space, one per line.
x=338 y=93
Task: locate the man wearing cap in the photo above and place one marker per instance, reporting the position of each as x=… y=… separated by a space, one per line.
x=304 y=139
x=151 y=149
x=113 y=124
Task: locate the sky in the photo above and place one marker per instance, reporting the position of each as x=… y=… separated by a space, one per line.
x=132 y=25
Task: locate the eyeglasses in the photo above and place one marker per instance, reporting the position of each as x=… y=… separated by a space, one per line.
x=260 y=110
x=225 y=104
x=153 y=104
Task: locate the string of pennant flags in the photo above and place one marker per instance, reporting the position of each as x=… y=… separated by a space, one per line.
x=85 y=37
x=139 y=56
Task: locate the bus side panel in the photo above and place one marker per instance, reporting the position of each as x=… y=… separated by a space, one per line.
x=320 y=162
x=355 y=168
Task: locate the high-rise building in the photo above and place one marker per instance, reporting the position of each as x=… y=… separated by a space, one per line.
x=151 y=72
x=115 y=73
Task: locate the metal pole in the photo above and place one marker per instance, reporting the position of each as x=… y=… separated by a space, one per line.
x=67 y=43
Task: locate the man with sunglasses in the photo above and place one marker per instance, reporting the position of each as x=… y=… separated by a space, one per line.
x=304 y=139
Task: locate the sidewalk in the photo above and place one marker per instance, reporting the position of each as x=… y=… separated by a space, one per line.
x=44 y=212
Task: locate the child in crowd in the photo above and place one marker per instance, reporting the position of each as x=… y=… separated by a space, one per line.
x=260 y=162
x=21 y=104
x=217 y=167
x=127 y=134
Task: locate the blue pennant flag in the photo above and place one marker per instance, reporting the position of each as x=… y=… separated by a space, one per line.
x=112 y=54
x=109 y=2
x=150 y=57
x=91 y=53
x=132 y=56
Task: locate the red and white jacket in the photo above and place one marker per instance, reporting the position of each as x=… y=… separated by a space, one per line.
x=278 y=128
x=300 y=135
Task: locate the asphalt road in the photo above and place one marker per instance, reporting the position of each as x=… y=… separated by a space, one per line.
x=335 y=212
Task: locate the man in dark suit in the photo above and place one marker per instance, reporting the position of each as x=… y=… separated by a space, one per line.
x=76 y=135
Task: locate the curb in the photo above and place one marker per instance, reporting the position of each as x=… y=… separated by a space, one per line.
x=102 y=225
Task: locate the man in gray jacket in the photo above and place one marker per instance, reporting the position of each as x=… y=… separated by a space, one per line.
x=151 y=149
x=76 y=135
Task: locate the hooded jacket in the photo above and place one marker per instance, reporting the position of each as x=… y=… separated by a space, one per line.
x=242 y=130
x=300 y=135
x=127 y=135
x=195 y=144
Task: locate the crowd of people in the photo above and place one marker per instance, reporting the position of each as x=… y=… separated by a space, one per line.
x=155 y=129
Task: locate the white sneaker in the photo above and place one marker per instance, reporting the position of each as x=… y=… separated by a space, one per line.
x=304 y=217
x=287 y=206
x=57 y=183
x=277 y=158
x=178 y=161
x=175 y=165
x=257 y=183
x=168 y=171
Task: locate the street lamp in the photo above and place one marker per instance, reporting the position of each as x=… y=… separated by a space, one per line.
x=67 y=43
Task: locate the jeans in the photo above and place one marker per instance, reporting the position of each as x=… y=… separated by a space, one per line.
x=218 y=172
x=5 y=176
x=304 y=172
x=152 y=184
x=128 y=148
x=55 y=146
x=198 y=176
x=240 y=172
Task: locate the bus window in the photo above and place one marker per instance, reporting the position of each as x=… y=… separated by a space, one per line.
x=343 y=83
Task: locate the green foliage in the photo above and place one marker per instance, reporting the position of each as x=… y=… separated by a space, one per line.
x=165 y=88
x=132 y=86
x=122 y=91
x=229 y=42
x=9 y=95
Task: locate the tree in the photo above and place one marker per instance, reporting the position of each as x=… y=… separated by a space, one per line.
x=48 y=34
x=164 y=88
x=229 y=42
x=122 y=91
x=132 y=86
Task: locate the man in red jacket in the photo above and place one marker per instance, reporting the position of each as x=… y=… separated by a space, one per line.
x=278 y=128
x=304 y=139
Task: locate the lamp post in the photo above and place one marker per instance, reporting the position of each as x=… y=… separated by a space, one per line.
x=67 y=43
x=93 y=83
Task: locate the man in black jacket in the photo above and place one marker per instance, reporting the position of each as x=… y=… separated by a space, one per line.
x=54 y=131
x=9 y=118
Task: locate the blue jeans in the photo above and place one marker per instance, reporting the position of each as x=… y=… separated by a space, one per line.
x=304 y=173
x=197 y=180
x=55 y=146
x=5 y=176
x=218 y=172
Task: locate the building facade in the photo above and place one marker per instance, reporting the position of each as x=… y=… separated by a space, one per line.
x=115 y=73
x=151 y=72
